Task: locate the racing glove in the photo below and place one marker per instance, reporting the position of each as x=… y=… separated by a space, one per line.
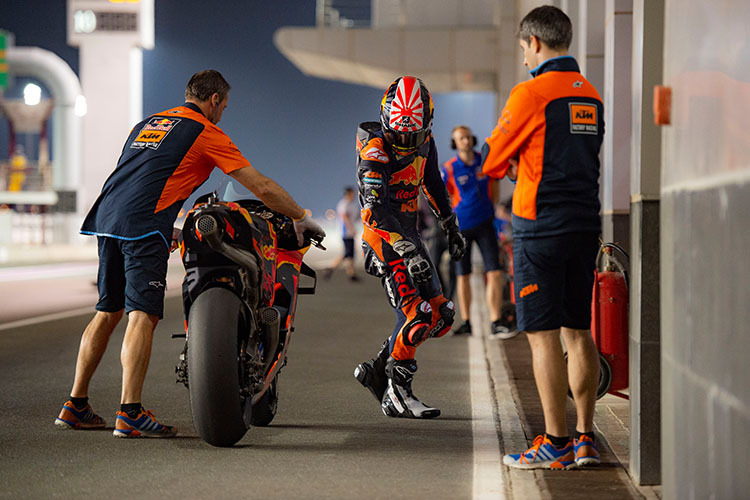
x=416 y=265
x=456 y=241
x=306 y=224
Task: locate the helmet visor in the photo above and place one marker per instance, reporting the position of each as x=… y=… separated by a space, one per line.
x=407 y=141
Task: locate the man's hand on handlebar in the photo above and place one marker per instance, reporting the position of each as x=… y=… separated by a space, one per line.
x=309 y=226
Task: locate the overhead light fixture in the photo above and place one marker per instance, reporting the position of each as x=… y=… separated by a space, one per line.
x=32 y=94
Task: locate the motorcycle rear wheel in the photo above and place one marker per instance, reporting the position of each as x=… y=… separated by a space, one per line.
x=214 y=332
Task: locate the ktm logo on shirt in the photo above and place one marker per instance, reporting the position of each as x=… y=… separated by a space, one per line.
x=154 y=132
x=583 y=118
x=528 y=290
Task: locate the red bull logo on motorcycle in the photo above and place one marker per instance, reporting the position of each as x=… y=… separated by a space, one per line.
x=268 y=252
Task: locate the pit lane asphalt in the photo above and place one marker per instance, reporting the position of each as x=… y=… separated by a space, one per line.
x=328 y=440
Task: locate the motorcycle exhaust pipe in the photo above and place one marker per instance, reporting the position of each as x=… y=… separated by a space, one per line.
x=208 y=228
x=270 y=321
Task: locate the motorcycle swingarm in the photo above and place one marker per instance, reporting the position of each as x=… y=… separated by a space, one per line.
x=275 y=369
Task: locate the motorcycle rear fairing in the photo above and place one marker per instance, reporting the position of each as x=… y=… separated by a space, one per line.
x=252 y=239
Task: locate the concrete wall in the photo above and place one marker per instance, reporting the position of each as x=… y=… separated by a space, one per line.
x=645 y=168
x=705 y=236
x=617 y=95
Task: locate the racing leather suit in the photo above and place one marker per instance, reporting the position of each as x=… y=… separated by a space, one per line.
x=389 y=186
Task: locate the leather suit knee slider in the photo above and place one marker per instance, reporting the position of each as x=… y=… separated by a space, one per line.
x=416 y=331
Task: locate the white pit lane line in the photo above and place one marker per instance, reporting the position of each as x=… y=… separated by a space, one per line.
x=488 y=475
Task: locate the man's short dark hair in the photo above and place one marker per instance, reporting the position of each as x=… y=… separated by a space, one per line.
x=206 y=83
x=550 y=25
x=348 y=189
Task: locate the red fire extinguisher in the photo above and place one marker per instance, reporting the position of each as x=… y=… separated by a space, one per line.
x=609 y=320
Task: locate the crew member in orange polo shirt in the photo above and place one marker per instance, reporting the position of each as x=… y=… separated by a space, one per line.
x=165 y=158
x=548 y=139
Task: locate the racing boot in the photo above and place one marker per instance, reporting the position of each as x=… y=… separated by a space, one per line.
x=398 y=400
x=371 y=373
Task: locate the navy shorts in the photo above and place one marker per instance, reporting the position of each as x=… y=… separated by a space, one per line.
x=486 y=239
x=348 y=248
x=553 y=278
x=132 y=275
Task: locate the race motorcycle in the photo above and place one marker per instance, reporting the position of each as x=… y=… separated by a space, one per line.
x=243 y=266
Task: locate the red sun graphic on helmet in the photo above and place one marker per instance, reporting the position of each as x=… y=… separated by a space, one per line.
x=406 y=113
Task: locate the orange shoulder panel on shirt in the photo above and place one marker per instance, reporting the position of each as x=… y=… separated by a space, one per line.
x=560 y=84
x=212 y=148
x=220 y=150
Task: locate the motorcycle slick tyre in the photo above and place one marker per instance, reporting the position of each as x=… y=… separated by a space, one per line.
x=214 y=326
x=265 y=409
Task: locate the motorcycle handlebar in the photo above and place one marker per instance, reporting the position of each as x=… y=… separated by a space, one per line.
x=314 y=238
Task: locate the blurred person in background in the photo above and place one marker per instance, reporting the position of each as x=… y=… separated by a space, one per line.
x=473 y=197
x=347 y=211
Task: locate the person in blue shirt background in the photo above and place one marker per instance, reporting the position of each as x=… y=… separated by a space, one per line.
x=347 y=211
x=473 y=196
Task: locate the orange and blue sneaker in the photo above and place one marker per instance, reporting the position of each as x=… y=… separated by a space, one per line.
x=586 y=451
x=543 y=455
x=72 y=418
x=144 y=425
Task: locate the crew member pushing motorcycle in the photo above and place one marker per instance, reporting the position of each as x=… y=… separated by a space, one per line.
x=395 y=158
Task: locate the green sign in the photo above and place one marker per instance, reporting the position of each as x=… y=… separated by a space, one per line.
x=3 y=59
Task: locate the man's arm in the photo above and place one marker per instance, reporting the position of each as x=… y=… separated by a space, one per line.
x=276 y=198
x=512 y=130
x=269 y=192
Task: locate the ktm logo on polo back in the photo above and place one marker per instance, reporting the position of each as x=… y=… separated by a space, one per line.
x=528 y=289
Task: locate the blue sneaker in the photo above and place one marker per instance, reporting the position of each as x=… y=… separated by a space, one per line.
x=145 y=425
x=72 y=418
x=586 y=451
x=543 y=455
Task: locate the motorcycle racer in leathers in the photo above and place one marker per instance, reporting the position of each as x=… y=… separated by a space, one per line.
x=397 y=158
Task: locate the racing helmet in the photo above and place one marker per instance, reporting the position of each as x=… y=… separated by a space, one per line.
x=406 y=114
